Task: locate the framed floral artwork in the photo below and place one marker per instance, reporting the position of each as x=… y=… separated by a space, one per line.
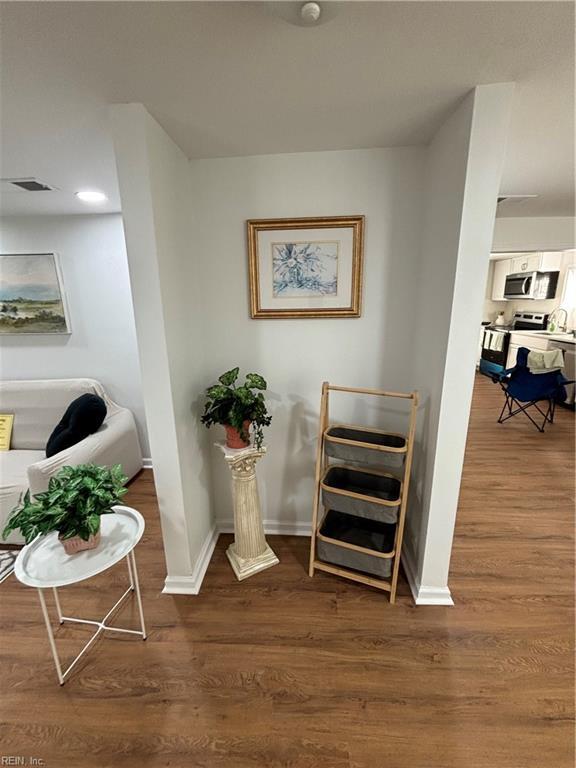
x=305 y=267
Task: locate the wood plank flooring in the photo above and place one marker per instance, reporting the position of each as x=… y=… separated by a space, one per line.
x=283 y=671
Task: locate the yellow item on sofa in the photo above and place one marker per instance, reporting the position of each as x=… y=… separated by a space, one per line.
x=6 y=422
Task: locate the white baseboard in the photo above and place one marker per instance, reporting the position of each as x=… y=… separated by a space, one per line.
x=190 y=585
x=147 y=463
x=423 y=595
x=271 y=528
x=434 y=596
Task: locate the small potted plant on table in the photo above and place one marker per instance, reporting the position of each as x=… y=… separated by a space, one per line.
x=72 y=505
x=238 y=408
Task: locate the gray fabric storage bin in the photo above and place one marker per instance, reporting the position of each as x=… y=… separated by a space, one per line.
x=364 y=446
x=371 y=487
x=364 y=533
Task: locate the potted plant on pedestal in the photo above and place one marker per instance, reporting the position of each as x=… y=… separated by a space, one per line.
x=238 y=408
x=72 y=505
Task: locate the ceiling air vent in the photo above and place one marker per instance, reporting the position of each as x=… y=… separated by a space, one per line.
x=26 y=185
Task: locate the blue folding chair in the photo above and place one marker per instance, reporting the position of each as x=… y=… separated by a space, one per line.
x=523 y=390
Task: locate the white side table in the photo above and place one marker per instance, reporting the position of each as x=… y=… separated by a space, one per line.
x=45 y=565
x=250 y=553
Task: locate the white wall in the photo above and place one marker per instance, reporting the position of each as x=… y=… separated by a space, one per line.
x=537 y=233
x=430 y=218
x=463 y=176
x=491 y=308
x=295 y=356
x=154 y=186
x=102 y=344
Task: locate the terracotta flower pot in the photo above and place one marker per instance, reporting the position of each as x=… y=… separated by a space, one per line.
x=233 y=437
x=77 y=544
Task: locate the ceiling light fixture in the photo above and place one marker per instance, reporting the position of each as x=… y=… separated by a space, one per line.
x=310 y=13
x=91 y=196
x=306 y=14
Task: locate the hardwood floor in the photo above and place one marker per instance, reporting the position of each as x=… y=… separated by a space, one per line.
x=287 y=671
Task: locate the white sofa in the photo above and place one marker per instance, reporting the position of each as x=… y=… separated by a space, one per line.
x=37 y=407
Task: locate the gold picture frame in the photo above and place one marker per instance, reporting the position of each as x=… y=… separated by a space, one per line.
x=294 y=276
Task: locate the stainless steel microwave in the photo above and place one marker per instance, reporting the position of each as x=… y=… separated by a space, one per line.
x=531 y=285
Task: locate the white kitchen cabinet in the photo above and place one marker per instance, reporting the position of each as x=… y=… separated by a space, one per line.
x=527 y=340
x=569 y=365
x=526 y=262
x=541 y=261
x=501 y=269
x=550 y=261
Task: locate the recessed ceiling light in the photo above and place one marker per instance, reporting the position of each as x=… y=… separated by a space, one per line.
x=91 y=196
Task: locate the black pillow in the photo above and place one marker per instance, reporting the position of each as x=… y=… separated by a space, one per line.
x=83 y=417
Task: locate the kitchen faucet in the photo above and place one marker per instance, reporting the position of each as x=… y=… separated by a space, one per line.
x=553 y=322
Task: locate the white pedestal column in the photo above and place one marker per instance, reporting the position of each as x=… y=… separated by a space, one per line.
x=250 y=552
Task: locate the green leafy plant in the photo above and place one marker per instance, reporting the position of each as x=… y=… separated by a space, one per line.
x=72 y=505
x=230 y=404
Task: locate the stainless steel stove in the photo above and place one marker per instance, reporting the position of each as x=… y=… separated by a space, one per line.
x=524 y=321
x=496 y=339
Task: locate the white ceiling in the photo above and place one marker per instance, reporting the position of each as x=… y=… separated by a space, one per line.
x=229 y=79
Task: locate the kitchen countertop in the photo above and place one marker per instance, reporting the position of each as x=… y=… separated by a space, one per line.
x=564 y=337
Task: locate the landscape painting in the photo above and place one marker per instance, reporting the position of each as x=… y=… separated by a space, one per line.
x=31 y=294
x=305 y=269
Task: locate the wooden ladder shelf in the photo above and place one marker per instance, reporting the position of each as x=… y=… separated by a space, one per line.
x=363 y=455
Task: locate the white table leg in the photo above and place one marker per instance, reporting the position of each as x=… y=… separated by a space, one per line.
x=100 y=625
x=58 y=608
x=136 y=586
x=51 y=637
x=130 y=575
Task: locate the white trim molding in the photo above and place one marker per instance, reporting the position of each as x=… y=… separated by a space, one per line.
x=190 y=585
x=146 y=463
x=423 y=595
